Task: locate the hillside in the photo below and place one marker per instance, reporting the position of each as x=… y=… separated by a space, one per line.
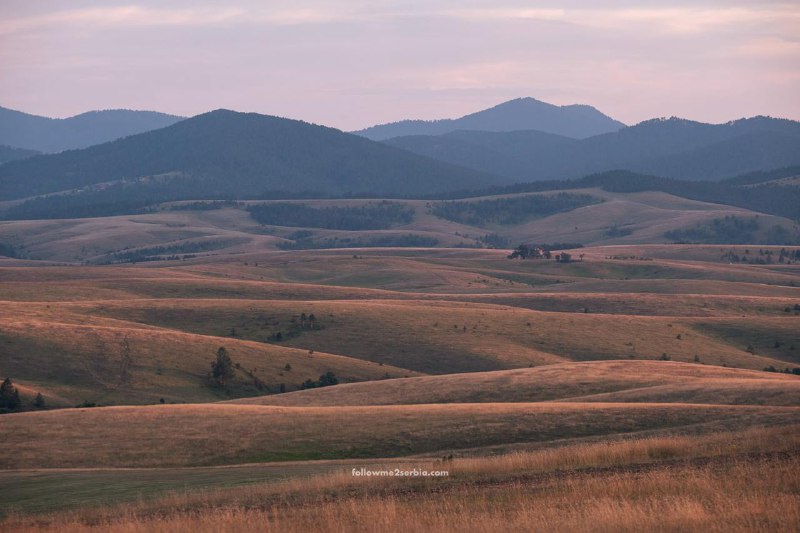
x=588 y=216
x=22 y=130
x=134 y=334
x=629 y=381
x=7 y=153
x=672 y=148
x=225 y=154
x=603 y=372
x=123 y=436
x=576 y=121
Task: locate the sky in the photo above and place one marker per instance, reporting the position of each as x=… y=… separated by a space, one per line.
x=351 y=64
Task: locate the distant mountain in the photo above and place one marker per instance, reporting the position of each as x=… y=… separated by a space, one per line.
x=575 y=121
x=673 y=147
x=8 y=153
x=224 y=154
x=43 y=134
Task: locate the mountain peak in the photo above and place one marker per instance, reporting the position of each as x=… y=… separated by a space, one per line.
x=524 y=113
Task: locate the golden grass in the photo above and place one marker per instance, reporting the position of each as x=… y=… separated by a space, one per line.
x=448 y=311
x=648 y=214
x=625 y=381
x=196 y=435
x=166 y=363
x=719 y=482
x=443 y=336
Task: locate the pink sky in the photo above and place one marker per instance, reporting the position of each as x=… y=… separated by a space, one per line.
x=350 y=64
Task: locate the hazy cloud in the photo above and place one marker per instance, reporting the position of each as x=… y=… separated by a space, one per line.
x=352 y=63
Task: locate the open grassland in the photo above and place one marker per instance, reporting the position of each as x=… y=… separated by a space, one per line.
x=726 y=481
x=623 y=391
x=171 y=343
x=186 y=435
x=609 y=381
x=446 y=336
x=122 y=363
x=643 y=217
x=383 y=314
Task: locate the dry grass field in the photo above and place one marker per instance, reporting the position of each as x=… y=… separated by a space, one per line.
x=623 y=392
x=202 y=435
x=645 y=217
x=383 y=313
x=606 y=381
x=724 y=481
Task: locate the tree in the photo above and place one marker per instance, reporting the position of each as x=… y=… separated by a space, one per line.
x=222 y=369
x=328 y=378
x=39 y=401
x=9 y=395
x=325 y=380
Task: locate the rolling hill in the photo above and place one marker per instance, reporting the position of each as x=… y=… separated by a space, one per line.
x=674 y=148
x=43 y=134
x=124 y=436
x=588 y=216
x=601 y=407
x=576 y=121
x=628 y=381
x=231 y=155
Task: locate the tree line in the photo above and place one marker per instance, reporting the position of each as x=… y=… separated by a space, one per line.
x=371 y=216
x=508 y=211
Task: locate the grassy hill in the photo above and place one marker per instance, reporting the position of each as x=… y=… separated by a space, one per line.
x=386 y=313
x=591 y=215
x=722 y=479
x=627 y=381
x=433 y=350
x=124 y=436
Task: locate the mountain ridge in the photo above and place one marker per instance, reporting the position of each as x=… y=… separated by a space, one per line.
x=675 y=148
x=574 y=120
x=235 y=155
x=51 y=135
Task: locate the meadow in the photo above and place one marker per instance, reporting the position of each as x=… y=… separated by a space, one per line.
x=638 y=387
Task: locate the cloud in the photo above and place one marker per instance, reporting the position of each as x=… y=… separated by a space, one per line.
x=685 y=19
x=681 y=19
x=137 y=16
x=352 y=62
x=770 y=47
